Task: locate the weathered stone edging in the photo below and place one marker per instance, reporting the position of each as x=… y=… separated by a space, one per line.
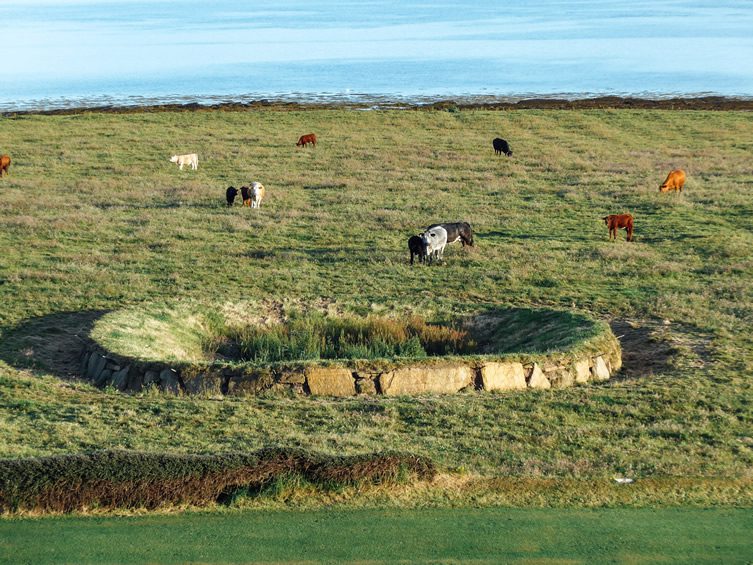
x=344 y=380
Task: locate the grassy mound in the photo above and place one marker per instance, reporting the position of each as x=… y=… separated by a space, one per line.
x=129 y=479
x=200 y=334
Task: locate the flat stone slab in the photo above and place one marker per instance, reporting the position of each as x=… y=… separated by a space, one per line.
x=437 y=379
x=503 y=376
x=330 y=381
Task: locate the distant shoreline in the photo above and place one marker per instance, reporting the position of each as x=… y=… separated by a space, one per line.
x=718 y=103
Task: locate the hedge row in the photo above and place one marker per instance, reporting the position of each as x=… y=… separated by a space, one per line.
x=128 y=479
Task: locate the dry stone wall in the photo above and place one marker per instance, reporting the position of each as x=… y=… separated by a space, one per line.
x=340 y=380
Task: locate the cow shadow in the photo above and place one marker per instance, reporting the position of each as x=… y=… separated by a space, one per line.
x=51 y=344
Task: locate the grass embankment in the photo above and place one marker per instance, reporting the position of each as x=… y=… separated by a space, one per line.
x=388 y=536
x=257 y=334
x=94 y=218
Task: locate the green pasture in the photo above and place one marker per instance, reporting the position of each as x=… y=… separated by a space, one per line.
x=387 y=536
x=94 y=218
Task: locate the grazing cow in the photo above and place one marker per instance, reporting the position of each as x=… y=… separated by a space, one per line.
x=306 y=139
x=257 y=194
x=4 y=164
x=246 y=195
x=457 y=231
x=189 y=159
x=434 y=240
x=230 y=195
x=416 y=246
x=501 y=146
x=617 y=221
x=675 y=181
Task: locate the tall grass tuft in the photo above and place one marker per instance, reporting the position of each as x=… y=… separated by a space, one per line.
x=315 y=336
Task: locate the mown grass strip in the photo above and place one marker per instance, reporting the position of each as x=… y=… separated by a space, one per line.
x=387 y=536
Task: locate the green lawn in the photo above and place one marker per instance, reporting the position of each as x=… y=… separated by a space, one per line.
x=388 y=536
x=94 y=218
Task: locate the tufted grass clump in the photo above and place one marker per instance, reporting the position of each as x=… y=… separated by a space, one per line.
x=314 y=336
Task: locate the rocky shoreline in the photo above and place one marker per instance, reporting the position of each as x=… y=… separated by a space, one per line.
x=717 y=103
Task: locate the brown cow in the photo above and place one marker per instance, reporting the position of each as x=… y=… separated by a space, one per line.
x=306 y=139
x=675 y=181
x=617 y=221
x=4 y=164
x=246 y=194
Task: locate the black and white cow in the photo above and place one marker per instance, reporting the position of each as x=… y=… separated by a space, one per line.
x=501 y=146
x=435 y=240
x=457 y=231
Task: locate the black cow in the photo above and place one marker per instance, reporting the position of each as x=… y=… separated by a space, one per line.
x=416 y=246
x=501 y=146
x=230 y=194
x=457 y=231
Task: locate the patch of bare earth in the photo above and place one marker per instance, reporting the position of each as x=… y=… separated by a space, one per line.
x=652 y=347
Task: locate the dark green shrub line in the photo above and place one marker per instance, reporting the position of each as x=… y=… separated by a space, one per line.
x=127 y=479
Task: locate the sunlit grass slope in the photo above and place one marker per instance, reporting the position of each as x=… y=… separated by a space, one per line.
x=95 y=218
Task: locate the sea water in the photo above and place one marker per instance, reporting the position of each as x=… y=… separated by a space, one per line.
x=88 y=53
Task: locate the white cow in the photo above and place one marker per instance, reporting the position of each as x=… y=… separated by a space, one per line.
x=190 y=159
x=435 y=239
x=257 y=194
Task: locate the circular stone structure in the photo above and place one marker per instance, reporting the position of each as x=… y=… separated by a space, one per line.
x=174 y=349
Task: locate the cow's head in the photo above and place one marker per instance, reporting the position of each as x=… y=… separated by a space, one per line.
x=663 y=188
x=509 y=153
x=174 y=159
x=428 y=237
x=606 y=220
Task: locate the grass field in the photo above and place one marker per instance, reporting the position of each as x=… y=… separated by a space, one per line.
x=94 y=218
x=388 y=536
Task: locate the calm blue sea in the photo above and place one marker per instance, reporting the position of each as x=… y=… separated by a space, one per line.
x=85 y=52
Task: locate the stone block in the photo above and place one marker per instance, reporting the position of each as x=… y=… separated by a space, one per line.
x=366 y=386
x=562 y=377
x=84 y=364
x=204 y=383
x=582 y=370
x=330 y=381
x=151 y=378
x=135 y=381
x=538 y=379
x=103 y=379
x=503 y=376
x=95 y=366
x=440 y=379
x=168 y=381
x=292 y=377
x=600 y=371
x=250 y=383
x=120 y=379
